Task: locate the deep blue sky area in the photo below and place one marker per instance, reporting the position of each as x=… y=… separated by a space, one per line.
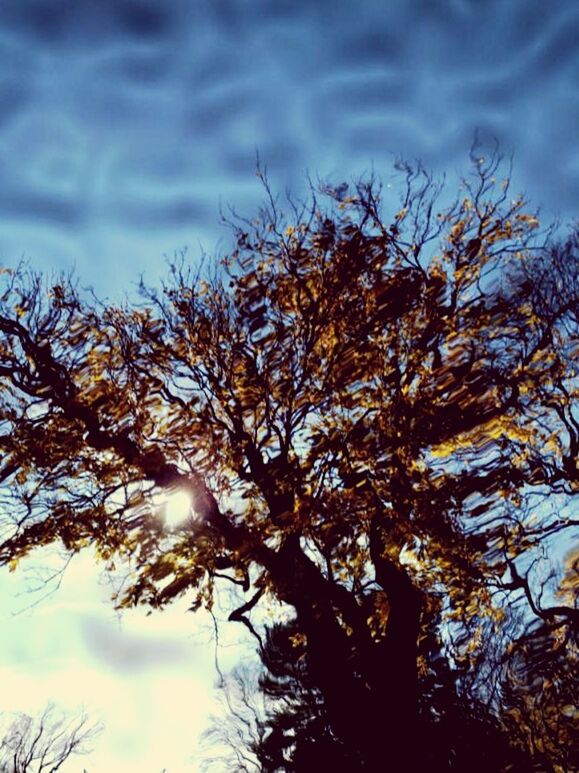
x=123 y=123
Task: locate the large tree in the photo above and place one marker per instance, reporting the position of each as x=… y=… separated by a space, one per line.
x=374 y=413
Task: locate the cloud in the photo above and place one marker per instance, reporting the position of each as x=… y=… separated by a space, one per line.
x=134 y=650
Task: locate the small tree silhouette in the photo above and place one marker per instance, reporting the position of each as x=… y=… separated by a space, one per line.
x=43 y=744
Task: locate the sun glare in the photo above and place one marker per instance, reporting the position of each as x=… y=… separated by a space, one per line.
x=177 y=508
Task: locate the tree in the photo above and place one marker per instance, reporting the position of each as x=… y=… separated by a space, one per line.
x=374 y=415
x=296 y=734
x=43 y=744
x=275 y=719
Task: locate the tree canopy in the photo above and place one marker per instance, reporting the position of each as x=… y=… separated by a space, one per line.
x=374 y=411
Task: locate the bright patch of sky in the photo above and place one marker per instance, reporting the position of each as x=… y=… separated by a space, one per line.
x=150 y=679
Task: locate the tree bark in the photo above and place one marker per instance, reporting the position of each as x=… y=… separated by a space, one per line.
x=369 y=687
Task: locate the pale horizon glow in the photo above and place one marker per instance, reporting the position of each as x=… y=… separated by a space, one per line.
x=149 y=678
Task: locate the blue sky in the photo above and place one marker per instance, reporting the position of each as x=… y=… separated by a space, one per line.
x=124 y=124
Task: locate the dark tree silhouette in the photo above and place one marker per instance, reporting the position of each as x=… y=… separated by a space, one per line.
x=374 y=414
x=297 y=732
x=276 y=718
x=278 y=721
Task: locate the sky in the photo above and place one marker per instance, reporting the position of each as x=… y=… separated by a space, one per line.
x=148 y=679
x=125 y=125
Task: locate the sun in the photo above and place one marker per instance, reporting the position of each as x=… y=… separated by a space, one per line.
x=177 y=507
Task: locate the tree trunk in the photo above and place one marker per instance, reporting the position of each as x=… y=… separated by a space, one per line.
x=369 y=687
